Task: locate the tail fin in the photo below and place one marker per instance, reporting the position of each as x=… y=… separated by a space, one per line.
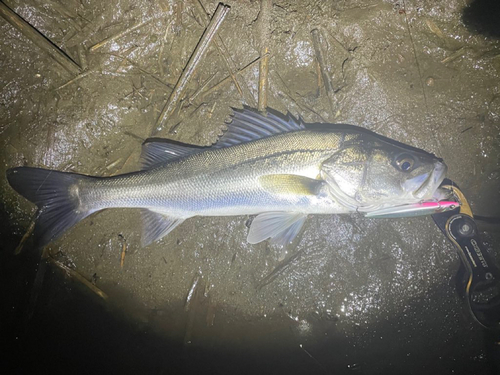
x=55 y=194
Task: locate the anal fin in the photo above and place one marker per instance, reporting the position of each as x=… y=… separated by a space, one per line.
x=156 y=225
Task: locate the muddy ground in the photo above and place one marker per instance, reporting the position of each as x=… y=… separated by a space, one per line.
x=374 y=296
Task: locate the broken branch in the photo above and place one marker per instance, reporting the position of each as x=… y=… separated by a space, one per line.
x=39 y=39
x=194 y=60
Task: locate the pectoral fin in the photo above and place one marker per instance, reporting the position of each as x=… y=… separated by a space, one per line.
x=281 y=227
x=156 y=225
x=290 y=184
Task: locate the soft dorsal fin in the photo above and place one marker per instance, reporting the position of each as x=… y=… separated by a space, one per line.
x=158 y=152
x=248 y=125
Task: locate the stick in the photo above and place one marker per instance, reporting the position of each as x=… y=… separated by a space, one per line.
x=264 y=20
x=279 y=269
x=141 y=69
x=228 y=78
x=80 y=76
x=193 y=302
x=201 y=89
x=124 y=250
x=36 y=288
x=263 y=81
x=230 y=65
x=119 y=35
x=28 y=233
x=194 y=60
x=72 y=273
x=455 y=55
x=318 y=49
x=39 y=39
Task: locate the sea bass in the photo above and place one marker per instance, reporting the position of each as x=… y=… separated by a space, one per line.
x=270 y=165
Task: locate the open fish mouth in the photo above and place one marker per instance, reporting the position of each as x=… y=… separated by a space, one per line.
x=432 y=183
x=419 y=188
x=431 y=197
x=427 y=183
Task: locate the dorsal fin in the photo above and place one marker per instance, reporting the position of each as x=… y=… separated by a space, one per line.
x=248 y=124
x=157 y=152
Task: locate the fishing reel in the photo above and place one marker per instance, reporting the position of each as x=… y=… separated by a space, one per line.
x=478 y=278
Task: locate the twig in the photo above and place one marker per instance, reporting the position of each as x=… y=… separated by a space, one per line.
x=314 y=359
x=142 y=70
x=30 y=229
x=192 y=292
x=319 y=80
x=72 y=273
x=263 y=81
x=212 y=308
x=278 y=270
x=228 y=78
x=231 y=66
x=122 y=258
x=264 y=20
x=39 y=39
x=113 y=164
x=194 y=60
x=417 y=63
x=303 y=107
x=119 y=35
x=455 y=55
x=79 y=37
x=82 y=56
x=435 y=29
x=160 y=53
x=202 y=87
x=327 y=81
x=118 y=171
x=193 y=302
x=80 y=76
x=36 y=288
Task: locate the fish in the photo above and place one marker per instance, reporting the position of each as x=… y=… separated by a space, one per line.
x=269 y=164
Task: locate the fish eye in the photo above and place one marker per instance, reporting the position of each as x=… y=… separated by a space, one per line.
x=405 y=163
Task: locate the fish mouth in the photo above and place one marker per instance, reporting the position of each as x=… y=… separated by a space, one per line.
x=431 y=181
x=421 y=187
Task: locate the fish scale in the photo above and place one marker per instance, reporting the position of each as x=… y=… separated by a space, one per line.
x=273 y=165
x=233 y=179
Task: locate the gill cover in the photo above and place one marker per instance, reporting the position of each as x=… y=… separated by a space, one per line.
x=370 y=174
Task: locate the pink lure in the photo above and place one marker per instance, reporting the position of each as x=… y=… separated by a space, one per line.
x=415 y=209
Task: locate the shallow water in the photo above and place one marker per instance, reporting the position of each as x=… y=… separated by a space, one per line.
x=352 y=294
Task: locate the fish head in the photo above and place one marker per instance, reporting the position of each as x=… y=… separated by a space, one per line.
x=373 y=174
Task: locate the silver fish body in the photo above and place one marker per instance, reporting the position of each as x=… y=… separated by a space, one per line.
x=225 y=181
x=273 y=166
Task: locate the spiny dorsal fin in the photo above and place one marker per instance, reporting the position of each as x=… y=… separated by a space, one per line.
x=158 y=152
x=248 y=124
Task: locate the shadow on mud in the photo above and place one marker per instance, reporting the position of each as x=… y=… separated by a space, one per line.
x=74 y=331
x=482 y=16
